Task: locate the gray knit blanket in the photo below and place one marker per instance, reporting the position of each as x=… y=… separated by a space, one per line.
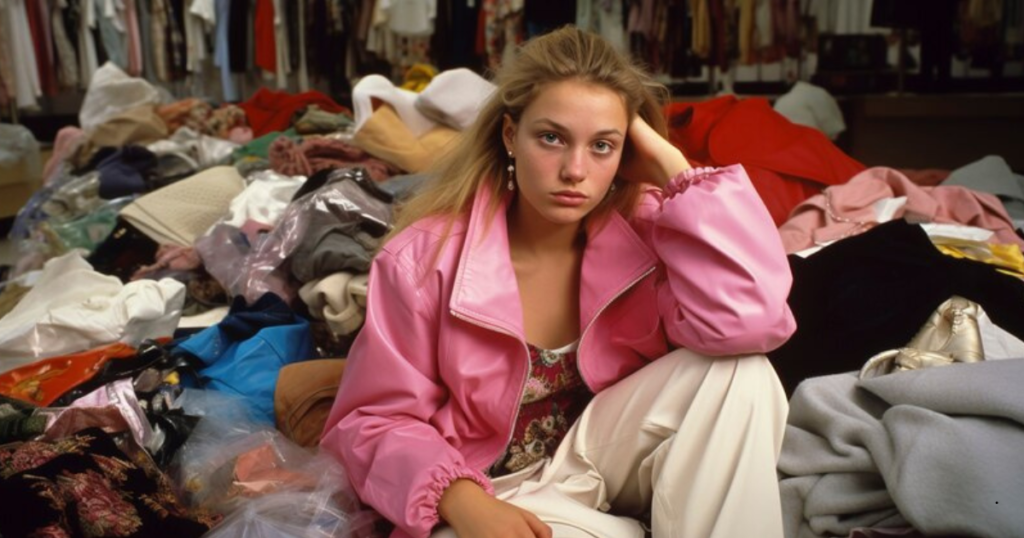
x=940 y=449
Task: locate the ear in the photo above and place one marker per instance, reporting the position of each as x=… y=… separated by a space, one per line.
x=508 y=131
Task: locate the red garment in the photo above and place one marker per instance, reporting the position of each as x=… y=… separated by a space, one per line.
x=263 y=36
x=269 y=111
x=40 y=29
x=786 y=162
x=554 y=397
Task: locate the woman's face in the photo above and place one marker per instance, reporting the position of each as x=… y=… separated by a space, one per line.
x=567 y=147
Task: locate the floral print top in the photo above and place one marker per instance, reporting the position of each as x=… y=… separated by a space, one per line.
x=554 y=398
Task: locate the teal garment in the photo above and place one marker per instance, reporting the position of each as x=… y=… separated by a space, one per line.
x=92 y=229
x=260 y=147
x=113 y=41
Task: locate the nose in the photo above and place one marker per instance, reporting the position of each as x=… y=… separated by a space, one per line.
x=574 y=165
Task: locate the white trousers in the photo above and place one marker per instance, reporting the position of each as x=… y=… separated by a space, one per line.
x=691 y=440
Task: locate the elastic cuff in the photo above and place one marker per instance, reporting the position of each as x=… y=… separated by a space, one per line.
x=684 y=179
x=451 y=475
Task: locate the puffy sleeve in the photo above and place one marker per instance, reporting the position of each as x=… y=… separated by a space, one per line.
x=726 y=278
x=379 y=426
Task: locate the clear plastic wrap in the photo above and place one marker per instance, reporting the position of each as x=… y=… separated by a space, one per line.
x=265 y=484
x=294 y=515
x=18 y=147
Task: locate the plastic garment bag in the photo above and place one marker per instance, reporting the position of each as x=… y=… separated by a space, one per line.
x=265 y=485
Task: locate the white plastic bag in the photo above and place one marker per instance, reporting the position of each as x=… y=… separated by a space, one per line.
x=111 y=92
x=19 y=148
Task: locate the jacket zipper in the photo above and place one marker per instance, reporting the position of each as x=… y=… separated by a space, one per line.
x=586 y=329
x=522 y=384
x=526 y=349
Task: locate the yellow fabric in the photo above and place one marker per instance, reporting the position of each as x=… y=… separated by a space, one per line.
x=385 y=137
x=701 y=37
x=1008 y=258
x=746 y=31
x=418 y=77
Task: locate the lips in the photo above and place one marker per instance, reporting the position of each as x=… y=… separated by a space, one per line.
x=569 y=198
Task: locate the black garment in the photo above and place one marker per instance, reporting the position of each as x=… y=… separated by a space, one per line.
x=123 y=252
x=458 y=44
x=178 y=59
x=873 y=292
x=328 y=38
x=129 y=170
x=84 y=485
x=238 y=36
x=542 y=16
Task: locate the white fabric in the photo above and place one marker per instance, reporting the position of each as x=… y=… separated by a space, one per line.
x=403 y=101
x=604 y=18
x=88 y=62
x=265 y=199
x=111 y=92
x=199 y=17
x=455 y=97
x=693 y=438
x=997 y=343
x=842 y=16
x=206 y=319
x=410 y=17
x=281 y=45
x=810 y=105
x=26 y=77
x=339 y=299
x=73 y=308
x=957 y=231
x=203 y=150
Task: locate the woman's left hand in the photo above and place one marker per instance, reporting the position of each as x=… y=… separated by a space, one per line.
x=648 y=157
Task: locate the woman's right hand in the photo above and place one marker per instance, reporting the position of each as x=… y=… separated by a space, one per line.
x=473 y=513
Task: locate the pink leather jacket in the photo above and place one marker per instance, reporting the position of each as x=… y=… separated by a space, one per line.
x=435 y=378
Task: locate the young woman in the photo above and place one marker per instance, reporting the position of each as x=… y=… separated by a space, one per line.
x=565 y=333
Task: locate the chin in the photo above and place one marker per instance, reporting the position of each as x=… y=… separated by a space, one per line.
x=564 y=215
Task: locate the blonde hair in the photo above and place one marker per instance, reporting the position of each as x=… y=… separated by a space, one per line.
x=478 y=161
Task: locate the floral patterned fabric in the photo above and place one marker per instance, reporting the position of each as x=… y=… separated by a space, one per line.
x=554 y=398
x=84 y=485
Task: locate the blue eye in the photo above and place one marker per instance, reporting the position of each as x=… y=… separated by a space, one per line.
x=550 y=138
x=603 y=147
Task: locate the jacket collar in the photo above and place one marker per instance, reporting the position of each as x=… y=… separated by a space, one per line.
x=485 y=283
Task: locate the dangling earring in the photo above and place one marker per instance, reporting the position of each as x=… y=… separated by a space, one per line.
x=511 y=172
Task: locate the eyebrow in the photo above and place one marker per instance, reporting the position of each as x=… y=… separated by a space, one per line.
x=559 y=127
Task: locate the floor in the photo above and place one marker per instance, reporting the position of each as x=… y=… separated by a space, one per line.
x=7 y=252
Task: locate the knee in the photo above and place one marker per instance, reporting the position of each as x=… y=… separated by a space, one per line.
x=746 y=381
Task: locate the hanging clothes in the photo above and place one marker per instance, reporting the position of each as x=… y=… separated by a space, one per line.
x=26 y=74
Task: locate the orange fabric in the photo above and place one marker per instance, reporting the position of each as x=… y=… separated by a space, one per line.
x=786 y=162
x=303 y=398
x=43 y=381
